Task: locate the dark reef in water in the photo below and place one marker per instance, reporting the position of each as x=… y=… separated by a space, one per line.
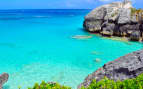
x=3 y=79
x=116 y=19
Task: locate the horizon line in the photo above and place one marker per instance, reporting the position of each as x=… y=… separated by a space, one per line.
x=50 y=9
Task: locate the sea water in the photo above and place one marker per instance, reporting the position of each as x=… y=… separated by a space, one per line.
x=38 y=45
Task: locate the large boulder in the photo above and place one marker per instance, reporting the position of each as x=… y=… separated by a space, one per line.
x=126 y=67
x=124 y=16
x=108 y=29
x=94 y=20
x=117 y=18
x=3 y=79
x=135 y=36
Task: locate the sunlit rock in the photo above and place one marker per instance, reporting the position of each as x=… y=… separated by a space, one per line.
x=116 y=19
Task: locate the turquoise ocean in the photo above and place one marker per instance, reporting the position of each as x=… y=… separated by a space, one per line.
x=38 y=45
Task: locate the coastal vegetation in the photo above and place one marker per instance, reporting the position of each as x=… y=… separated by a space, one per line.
x=45 y=85
x=135 y=83
x=136 y=11
x=122 y=73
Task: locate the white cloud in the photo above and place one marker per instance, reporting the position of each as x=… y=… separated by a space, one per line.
x=108 y=0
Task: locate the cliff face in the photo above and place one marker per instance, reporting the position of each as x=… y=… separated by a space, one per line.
x=129 y=66
x=116 y=19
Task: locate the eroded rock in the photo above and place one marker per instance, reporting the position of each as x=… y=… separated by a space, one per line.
x=126 y=67
x=135 y=36
x=3 y=79
x=117 y=19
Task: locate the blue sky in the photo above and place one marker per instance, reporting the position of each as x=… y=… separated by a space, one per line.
x=58 y=4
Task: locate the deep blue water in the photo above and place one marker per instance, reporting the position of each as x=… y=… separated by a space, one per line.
x=37 y=45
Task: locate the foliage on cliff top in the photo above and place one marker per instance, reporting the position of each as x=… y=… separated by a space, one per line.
x=135 y=11
x=45 y=85
x=135 y=83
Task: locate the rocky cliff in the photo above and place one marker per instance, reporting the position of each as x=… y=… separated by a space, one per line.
x=3 y=79
x=116 y=19
x=125 y=67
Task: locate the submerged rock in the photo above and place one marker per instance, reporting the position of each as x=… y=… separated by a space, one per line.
x=97 y=60
x=126 y=67
x=82 y=37
x=3 y=79
x=117 y=18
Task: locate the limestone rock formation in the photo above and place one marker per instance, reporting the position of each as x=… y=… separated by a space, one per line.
x=116 y=19
x=3 y=79
x=126 y=67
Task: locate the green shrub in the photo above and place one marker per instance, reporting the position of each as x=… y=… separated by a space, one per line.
x=105 y=83
x=133 y=11
x=135 y=83
x=114 y=14
x=45 y=85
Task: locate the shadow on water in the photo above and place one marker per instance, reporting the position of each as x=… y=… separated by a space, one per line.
x=22 y=18
x=12 y=18
x=6 y=87
x=10 y=45
x=39 y=22
x=84 y=30
x=59 y=77
x=33 y=52
x=81 y=29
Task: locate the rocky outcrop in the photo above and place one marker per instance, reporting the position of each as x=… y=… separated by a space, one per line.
x=3 y=79
x=125 y=67
x=116 y=19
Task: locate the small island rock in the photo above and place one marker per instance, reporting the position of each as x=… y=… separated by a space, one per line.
x=116 y=19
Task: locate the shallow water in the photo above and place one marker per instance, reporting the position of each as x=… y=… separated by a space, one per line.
x=37 y=45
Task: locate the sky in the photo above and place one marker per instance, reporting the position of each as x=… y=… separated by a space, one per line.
x=59 y=4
